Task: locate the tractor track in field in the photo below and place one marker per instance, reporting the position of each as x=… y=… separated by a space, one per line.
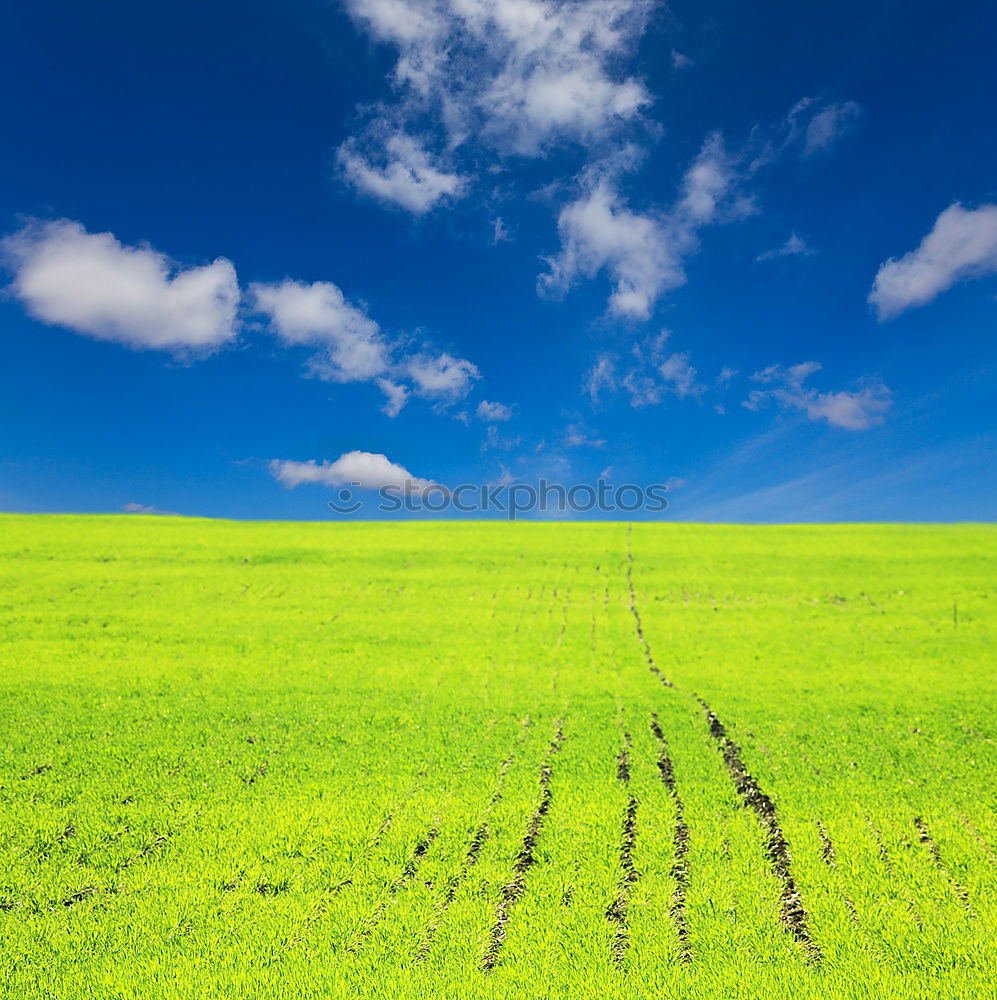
x=641 y=638
x=830 y=858
x=680 y=845
x=827 y=853
x=616 y=913
x=924 y=836
x=793 y=913
x=337 y=887
x=346 y=881
x=471 y=856
x=623 y=760
x=404 y=877
x=887 y=861
x=157 y=841
x=988 y=851
x=513 y=890
x=151 y=846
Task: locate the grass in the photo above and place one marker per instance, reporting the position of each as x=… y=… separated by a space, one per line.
x=483 y=761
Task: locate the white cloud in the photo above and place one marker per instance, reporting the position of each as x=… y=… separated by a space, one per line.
x=95 y=285
x=854 y=411
x=652 y=373
x=795 y=246
x=598 y=232
x=643 y=254
x=408 y=178
x=680 y=60
x=576 y=436
x=828 y=125
x=493 y=412
x=353 y=348
x=809 y=127
x=679 y=376
x=144 y=508
x=396 y=396
x=962 y=244
x=709 y=190
x=442 y=376
x=365 y=469
x=494 y=439
x=515 y=74
x=658 y=373
x=600 y=378
x=318 y=315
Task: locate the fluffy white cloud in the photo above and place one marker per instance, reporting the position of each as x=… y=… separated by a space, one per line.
x=642 y=253
x=353 y=348
x=442 y=376
x=493 y=412
x=365 y=469
x=407 y=177
x=318 y=315
x=516 y=74
x=598 y=232
x=962 y=244
x=854 y=411
x=95 y=285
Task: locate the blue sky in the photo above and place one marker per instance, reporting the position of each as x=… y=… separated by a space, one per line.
x=255 y=252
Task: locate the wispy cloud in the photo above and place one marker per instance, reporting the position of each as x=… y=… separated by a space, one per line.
x=795 y=246
x=493 y=412
x=961 y=245
x=680 y=60
x=855 y=411
x=828 y=125
x=649 y=373
x=144 y=508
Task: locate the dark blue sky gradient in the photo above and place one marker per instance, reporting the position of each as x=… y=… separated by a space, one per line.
x=208 y=129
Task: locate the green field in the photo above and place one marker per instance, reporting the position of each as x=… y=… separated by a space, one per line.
x=491 y=760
